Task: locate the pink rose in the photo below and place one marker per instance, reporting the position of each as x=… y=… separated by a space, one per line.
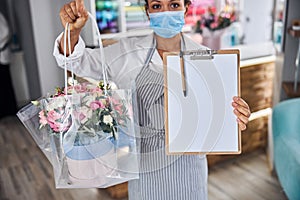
x=53 y=119
x=57 y=126
x=118 y=108
x=82 y=118
x=53 y=116
x=96 y=90
x=113 y=101
x=214 y=25
x=96 y=104
x=80 y=88
x=43 y=118
x=54 y=126
x=116 y=105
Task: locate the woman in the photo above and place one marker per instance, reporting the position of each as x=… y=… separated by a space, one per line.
x=140 y=59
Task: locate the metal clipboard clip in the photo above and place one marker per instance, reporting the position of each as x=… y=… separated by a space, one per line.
x=194 y=55
x=201 y=54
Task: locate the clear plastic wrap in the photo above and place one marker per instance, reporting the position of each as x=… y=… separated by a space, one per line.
x=87 y=132
x=89 y=137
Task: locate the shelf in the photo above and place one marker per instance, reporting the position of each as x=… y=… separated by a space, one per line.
x=288 y=87
x=294 y=33
x=257 y=60
x=261 y=113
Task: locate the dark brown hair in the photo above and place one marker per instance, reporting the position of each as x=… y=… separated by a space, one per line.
x=186 y=2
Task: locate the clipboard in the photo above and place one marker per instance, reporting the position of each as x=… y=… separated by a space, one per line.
x=201 y=121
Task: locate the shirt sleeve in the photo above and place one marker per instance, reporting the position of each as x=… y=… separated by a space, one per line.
x=75 y=56
x=82 y=61
x=123 y=60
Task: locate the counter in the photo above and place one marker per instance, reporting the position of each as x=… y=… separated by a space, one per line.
x=253 y=51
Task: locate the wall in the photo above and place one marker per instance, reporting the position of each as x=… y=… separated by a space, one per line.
x=25 y=35
x=256 y=18
x=46 y=26
x=36 y=24
x=291 y=44
x=3 y=8
x=23 y=61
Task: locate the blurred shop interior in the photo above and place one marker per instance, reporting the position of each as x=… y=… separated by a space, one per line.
x=257 y=28
x=266 y=33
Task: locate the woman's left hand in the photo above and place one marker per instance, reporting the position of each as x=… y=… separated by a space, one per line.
x=242 y=111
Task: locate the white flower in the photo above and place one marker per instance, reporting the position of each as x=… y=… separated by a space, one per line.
x=107 y=119
x=55 y=103
x=112 y=85
x=72 y=81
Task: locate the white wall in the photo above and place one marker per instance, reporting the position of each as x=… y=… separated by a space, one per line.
x=291 y=44
x=19 y=78
x=256 y=17
x=46 y=27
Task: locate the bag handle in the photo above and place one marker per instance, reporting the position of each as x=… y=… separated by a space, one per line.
x=68 y=137
x=66 y=32
x=102 y=56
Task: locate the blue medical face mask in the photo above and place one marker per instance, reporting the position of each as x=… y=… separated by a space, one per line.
x=167 y=24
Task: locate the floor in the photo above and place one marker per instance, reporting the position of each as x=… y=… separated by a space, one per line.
x=25 y=174
x=246 y=178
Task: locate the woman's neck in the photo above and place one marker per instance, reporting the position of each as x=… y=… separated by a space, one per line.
x=168 y=44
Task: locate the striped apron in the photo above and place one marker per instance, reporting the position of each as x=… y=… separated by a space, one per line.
x=162 y=177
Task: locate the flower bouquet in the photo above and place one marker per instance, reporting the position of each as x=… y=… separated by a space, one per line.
x=211 y=26
x=97 y=115
x=88 y=132
x=91 y=133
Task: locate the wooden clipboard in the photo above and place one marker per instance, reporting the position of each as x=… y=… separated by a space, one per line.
x=202 y=122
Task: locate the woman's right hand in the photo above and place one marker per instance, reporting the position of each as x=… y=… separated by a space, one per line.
x=76 y=15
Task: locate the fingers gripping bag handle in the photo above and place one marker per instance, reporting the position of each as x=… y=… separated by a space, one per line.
x=102 y=55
